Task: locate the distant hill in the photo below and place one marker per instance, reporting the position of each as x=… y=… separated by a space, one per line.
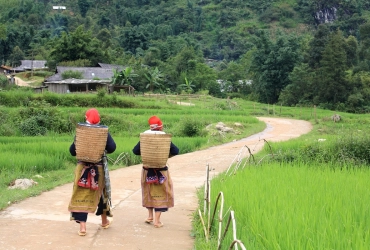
x=204 y=45
x=221 y=29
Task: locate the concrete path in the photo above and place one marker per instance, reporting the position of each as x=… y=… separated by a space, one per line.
x=42 y=222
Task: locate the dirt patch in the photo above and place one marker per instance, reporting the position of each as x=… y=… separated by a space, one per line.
x=185 y=103
x=19 y=82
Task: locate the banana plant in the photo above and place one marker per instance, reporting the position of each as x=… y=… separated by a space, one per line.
x=123 y=77
x=154 y=78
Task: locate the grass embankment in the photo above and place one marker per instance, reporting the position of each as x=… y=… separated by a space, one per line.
x=308 y=193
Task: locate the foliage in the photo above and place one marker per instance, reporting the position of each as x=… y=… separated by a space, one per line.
x=69 y=74
x=3 y=81
x=334 y=87
x=154 y=78
x=77 y=45
x=123 y=77
x=272 y=63
x=187 y=86
x=192 y=127
x=206 y=40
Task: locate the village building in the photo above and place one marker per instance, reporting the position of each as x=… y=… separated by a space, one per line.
x=30 y=65
x=93 y=78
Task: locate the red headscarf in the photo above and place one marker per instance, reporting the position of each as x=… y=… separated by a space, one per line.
x=92 y=116
x=155 y=123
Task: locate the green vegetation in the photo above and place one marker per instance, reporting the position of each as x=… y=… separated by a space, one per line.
x=72 y=74
x=295 y=206
x=37 y=131
x=290 y=52
x=322 y=184
x=306 y=193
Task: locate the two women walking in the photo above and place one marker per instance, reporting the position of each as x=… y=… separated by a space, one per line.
x=91 y=189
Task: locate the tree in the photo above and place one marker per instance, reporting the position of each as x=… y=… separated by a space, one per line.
x=352 y=51
x=272 y=63
x=123 y=77
x=2 y=32
x=78 y=45
x=233 y=73
x=332 y=85
x=187 y=86
x=300 y=90
x=133 y=38
x=16 y=56
x=154 y=78
x=317 y=46
x=364 y=52
x=84 y=7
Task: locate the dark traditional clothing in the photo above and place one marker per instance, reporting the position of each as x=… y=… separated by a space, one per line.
x=88 y=190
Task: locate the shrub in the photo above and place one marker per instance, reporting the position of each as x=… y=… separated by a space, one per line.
x=34 y=126
x=3 y=81
x=192 y=127
x=72 y=74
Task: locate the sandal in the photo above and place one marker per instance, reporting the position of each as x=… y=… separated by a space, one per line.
x=148 y=221
x=106 y=226
x=158 y=225
x=81 y=233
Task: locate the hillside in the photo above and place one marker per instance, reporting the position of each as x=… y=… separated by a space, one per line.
x=193 y=43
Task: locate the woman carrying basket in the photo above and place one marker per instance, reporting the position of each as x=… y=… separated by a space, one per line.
x=156 y=183
x=89 y=185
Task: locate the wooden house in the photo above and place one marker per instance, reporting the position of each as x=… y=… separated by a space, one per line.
x=29 y=65
x=92 y=79
x=5 y=69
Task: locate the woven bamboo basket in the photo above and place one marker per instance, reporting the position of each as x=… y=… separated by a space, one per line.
x=90 y=142
x=155 y=149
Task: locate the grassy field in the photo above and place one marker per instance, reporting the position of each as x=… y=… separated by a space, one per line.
x=306 y=193
x=311 y=195
x=192 y=127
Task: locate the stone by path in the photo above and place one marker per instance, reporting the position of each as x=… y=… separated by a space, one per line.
x=42 y=222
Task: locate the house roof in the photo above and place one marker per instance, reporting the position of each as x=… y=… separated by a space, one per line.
x=87 y=73
x=31 y=64
x=112 y=66
x=5 y=67
x=79 y=81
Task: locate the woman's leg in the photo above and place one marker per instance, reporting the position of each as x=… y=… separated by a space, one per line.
x=102 y=211
x=80 y=218
x=104 y=221
x=157 y=219
x=150 y=215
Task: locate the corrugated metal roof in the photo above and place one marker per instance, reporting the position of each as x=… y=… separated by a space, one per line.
x=31 y=64
x=80 y=81
x=112 y=66
x=87 y=73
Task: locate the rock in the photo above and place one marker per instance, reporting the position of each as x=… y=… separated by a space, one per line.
x=227 y=129
x=22 y=184
x=336 y=118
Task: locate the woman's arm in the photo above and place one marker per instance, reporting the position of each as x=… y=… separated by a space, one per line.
x=111 y=144
x=136 y=149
